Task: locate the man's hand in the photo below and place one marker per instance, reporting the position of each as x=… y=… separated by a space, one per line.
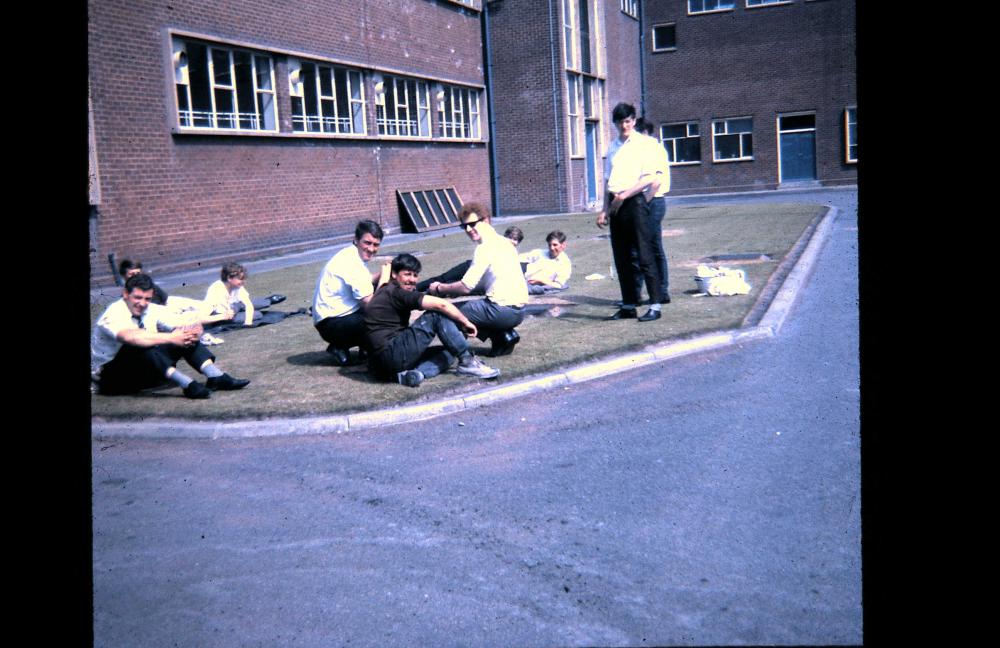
x=616 y=203
x=433 y=289
x=188 y=335
x=469 y=329
x=385 y=274
x=602 y=219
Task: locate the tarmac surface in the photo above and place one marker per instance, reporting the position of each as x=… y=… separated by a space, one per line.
x=769 y=325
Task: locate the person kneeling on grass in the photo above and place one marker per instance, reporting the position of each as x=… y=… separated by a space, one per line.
x=136 y=345
x=401 y=351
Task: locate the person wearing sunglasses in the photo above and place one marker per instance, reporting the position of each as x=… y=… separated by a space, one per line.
x=495 y=264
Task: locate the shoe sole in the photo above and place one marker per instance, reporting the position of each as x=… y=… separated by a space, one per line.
x=496 y=372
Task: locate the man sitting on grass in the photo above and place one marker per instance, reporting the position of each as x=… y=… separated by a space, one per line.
x=401 y=351
x=547 y=270
x=136 y=345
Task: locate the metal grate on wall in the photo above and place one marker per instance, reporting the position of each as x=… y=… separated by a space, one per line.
x=430 y=209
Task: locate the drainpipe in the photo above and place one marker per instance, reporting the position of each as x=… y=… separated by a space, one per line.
x=556 y=129
x=642 y=61
x=488 y=55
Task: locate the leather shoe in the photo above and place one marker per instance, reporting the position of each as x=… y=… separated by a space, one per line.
x=340 y=356
x=503 y=344
x=197 y=390
x=622 y=313
x=276 y=299
x=650 y=316
x=226 y=382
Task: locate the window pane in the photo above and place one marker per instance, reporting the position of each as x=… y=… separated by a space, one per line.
x=265 y=108
x=740 y=125
x=224 y=109
x=263 y=72
x=664 y=37
x=747 y=140
x=244 y=90
x=727 y=147
x=797 y=122
x=673 y=130
x=689 y=150
x=220 y=64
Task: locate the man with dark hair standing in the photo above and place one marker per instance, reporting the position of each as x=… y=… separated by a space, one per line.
x=402 y=351
x=137 y=344
x=495 y=264
x=344 y=286
x=627 y=210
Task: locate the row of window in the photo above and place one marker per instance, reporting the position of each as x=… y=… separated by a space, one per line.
x=630 y=8
x=585 y=103
x=707 y=6
x=226 y=88
x=732 y=139
x=581 y=36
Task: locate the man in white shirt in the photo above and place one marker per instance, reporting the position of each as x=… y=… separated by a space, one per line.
x=495 y=264
x=628 y=175
x=136 y=345
x=548 y=269
x=343 y=288
x=659 y=164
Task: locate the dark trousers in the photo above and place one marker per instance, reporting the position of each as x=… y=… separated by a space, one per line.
x=344 y=332
x=491 y=318
x=631 y=229
x=448 y=276
x=135 y=368
x=657 y=210
x=411 y=348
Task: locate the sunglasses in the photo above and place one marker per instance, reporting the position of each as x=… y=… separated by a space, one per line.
x=471 y=224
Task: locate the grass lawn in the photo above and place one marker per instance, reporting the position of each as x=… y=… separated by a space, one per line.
x=292 y=374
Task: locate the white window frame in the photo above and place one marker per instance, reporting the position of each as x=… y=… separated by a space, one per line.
x=413 y=113
x=652 y=38
x=702 y=3
x=754 y=4
x=670 y=143
x=334 y=124
x=574 y=112
x=847 y=134
x=725 y=122
x=571 y=35
x=630 y=8
x=466 y=113
x=261 y=97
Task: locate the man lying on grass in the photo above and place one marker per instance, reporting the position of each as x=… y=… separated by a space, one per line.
x=401 y=351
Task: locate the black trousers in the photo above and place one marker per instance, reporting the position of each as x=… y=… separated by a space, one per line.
x=344 y=332
x=631 y=230
x=135 y=368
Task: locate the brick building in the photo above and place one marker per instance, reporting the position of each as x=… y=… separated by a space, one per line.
x=223 y=129
x=753 y=94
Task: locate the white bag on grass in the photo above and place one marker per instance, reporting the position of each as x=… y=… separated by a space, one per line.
x=721 y=281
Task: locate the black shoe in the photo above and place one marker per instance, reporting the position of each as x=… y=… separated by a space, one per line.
x=277 y=299
x=622 y=313
x=503 y=343
x=340 y=356
x=650 y=316
x=411 y=378
x=197 y=390
x=226 y=382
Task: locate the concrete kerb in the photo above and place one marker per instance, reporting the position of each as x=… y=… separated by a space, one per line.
x=769 y=326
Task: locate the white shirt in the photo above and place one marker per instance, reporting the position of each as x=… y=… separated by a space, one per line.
x=104 y=342
x=541 y=266
x=343 y=283
x=219 y=295
x=495 y=264
x=625 y=162
x=657 y=162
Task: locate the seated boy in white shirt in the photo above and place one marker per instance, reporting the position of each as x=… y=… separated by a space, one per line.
x=547 y=270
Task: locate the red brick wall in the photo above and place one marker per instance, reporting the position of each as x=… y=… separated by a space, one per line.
x=169 y=198
x=757 y=62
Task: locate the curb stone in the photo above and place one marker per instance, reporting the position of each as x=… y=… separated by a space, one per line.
x=768 y=327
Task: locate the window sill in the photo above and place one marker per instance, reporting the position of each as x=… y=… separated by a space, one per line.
x=773 y=4
x=665 y=49
x=742 y=159
x=713 y=11
x=690 y=163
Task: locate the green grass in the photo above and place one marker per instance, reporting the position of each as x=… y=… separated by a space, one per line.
x=293 y=376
